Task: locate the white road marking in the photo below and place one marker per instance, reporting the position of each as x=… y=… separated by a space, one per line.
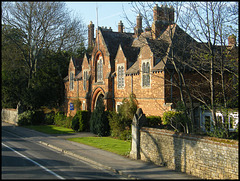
x=46 y=169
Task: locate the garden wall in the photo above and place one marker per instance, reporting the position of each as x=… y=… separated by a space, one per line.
x=204 y=157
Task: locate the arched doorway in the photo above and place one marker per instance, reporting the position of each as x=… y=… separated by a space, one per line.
x=98 y=94
x=99 y=99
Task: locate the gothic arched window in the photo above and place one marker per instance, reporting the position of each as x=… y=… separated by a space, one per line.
x=100 y=69
x=120 y=75
x=146 y=74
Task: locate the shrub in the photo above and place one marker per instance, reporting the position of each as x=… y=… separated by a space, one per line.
x=49 y=118
x=120 y=123
x=80 y=121
x=154 y=121
x=31 y=117
x=61 y=120
x=177 y=120
x=116 y=124
x=25 y=118
x=75 y=123
x=84 y=121
x=38 y=117
x=99 y=120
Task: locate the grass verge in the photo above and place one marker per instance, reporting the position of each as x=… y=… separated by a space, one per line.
x=120 y=147
x=51 y=129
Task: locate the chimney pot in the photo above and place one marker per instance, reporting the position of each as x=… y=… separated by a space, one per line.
x=90 y=34
x=120 y=27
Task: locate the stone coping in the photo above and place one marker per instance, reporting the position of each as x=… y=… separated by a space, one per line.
x=206 y=139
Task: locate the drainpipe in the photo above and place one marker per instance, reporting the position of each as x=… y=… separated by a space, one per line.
x=171 y=87
x=113 y=100
x=131 y=83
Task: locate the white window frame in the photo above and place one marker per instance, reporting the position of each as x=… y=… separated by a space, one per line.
x=84 y=106
x=121 y=76
x=235 y=117
x=117 y=106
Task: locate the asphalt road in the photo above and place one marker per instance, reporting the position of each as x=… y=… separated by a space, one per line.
x=26 y=159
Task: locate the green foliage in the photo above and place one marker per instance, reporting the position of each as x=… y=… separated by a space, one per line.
x=128 y=107
x=218 y=132
x=31 y=117
x=25 y=118
x=176 y=119
x=61 y=120
x=120 y=123
x=99 y=123
x=49 y=118
x=80 y=121
x=154 y=121
x=14 y=78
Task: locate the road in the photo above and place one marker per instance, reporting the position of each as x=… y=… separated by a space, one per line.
x=24 y=158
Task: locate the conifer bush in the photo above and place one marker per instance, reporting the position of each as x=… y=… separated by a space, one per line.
x=99 y=123
x=80 y=121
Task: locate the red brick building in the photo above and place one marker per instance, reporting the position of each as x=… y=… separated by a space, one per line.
x=124 y=63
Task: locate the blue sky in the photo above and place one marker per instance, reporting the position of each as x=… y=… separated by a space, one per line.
x=109 y=13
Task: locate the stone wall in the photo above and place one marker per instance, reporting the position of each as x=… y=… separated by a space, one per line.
x=10 y=116
x=204 y=157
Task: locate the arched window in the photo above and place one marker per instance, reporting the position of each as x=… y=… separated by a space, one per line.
x=85 y=80
x=145 y=74
x=120 y=76
x=71 y=81
x=100 y=69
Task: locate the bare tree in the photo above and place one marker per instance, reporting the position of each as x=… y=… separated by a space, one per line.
x=209 y=24
x=44 y=26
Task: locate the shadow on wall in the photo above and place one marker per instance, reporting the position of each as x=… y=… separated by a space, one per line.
x=166 y=148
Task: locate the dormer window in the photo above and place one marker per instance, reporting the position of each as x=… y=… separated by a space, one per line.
x=71 y=81
x=100 y=69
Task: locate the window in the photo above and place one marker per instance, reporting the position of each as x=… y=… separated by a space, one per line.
x=71 y=81
x=85 y=80
x=118 y=104
x=120 y=76
x=100 y=69
x=84 y=106
x=146 y=74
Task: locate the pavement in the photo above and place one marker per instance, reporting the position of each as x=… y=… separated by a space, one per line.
x=124 y=166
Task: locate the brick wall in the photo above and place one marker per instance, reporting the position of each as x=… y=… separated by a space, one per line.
x=196 y=155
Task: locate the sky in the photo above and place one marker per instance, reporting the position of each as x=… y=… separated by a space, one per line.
x=109 y=13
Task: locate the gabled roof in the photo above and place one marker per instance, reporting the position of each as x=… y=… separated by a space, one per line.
x=131 y=53
x=77 y=62
x=113 y=39
x=134 y=69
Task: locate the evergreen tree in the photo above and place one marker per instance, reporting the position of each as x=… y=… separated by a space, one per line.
x=99 y=123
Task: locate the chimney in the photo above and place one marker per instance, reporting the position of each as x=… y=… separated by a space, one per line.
x=90 y=34
x=171 y=14
x=120 y=27
x=138 y=29
x=156 y=13
x=162 y=18
x=232 y=40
